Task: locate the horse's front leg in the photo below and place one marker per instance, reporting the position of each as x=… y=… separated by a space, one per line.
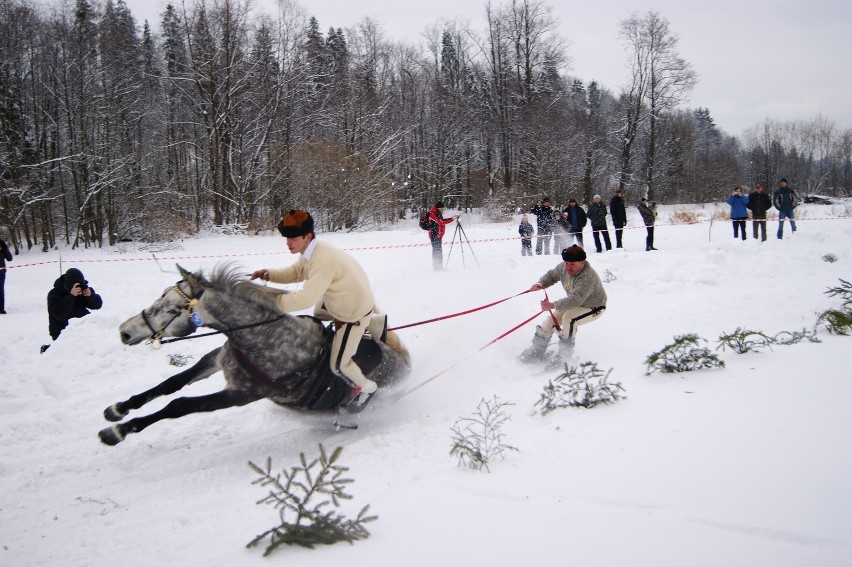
x=179 y=408
x=204 y=368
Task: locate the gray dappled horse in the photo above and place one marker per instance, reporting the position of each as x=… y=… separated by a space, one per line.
x=267 y=355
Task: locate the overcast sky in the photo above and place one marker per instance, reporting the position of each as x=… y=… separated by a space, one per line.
x=755 y=59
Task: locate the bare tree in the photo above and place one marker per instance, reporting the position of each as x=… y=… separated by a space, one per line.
x=661 y=80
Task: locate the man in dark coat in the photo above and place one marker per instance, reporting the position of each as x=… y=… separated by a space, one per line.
x=5 y=256
x=597 y=215
x=544 y=223
x=70 y=297
x=646 y=210
x=578 y=219
x=618 y=214
x=759 y=204
x=785 y=200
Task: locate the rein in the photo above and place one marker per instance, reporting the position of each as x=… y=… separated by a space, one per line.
x=224 y=331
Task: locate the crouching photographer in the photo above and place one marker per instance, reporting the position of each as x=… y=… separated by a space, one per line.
x=71 y=297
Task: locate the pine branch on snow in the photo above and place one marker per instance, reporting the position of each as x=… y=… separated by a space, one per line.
x=582 y=386
x=683 y=355
x=302 y=496
x=743 y=340
x=792 y=337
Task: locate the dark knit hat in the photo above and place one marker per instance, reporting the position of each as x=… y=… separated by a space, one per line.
x=73 y=276
x=573 y=254
x=296 y=223
x=439 y=205
x=545 y=199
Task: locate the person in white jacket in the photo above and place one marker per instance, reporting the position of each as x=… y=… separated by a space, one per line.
x=338 y=289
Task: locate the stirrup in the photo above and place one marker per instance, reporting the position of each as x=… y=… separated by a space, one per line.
x=358 y=402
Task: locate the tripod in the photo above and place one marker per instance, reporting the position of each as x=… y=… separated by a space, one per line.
x=462 y=238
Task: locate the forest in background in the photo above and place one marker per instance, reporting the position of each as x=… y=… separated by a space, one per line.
x=219 y=117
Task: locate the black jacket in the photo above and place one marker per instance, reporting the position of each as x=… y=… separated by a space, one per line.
x=580 y=217
x=543 y=218
x=759 y=204
x=62 y=306
x=5 y=255
x=617 y=211
x=597 y=214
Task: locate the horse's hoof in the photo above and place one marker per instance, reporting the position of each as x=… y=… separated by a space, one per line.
x=111 y=435
x=114 y=413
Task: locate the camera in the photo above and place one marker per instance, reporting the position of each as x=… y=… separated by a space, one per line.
x=84 y=285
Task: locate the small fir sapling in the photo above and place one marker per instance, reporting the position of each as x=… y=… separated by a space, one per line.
x=302 y=496
x=683 y=355
x=478 y=440
x=743 y=340
x=583 y=386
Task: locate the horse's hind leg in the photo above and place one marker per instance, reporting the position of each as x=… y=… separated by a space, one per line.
x=178 y=408
x=207 y=366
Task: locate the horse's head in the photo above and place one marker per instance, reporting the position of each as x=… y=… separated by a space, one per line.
x=173 y=314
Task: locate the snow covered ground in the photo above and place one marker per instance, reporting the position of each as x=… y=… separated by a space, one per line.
x=746 y=465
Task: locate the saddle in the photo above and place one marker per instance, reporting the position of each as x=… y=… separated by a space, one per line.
x=324 y=389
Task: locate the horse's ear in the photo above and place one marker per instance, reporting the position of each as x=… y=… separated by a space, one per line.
x=183 y=273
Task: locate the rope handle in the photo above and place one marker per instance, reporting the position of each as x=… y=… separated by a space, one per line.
x=459 y=314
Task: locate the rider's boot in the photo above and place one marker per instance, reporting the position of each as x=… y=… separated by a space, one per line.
x=565 y=355
x=361 y=393
x=535 y=352
x=378 y=327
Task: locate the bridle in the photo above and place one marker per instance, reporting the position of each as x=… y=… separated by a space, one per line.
x=195 y=318
x=189 y=306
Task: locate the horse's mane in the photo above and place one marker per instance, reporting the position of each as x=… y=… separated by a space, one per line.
x=231 y=280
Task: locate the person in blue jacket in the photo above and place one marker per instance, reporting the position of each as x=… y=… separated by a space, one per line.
x=739 y=211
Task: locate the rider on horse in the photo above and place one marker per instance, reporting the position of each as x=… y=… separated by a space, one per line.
x=338 y=289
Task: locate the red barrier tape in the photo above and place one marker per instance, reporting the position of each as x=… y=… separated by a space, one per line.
x=390 y=246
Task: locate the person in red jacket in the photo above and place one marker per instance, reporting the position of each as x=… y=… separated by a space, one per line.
x=437 y=222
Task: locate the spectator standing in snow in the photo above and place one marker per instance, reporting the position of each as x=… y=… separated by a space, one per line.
x=585 y=302
x=525 y=229
x=759 y=203
x=618 y=214
x=597 y=215
x=785 y=200
x=739 y=211
x=646 y=209
x=577 y=218
x=544 y=223
x=437 y=224
x=5 y=256
x=70 y=298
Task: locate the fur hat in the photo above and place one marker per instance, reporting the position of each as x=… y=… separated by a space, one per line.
x=296 y=223
x=574 y=254
x=73 y=276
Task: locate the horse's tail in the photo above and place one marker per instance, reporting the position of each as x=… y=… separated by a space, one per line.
x=395 y=343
